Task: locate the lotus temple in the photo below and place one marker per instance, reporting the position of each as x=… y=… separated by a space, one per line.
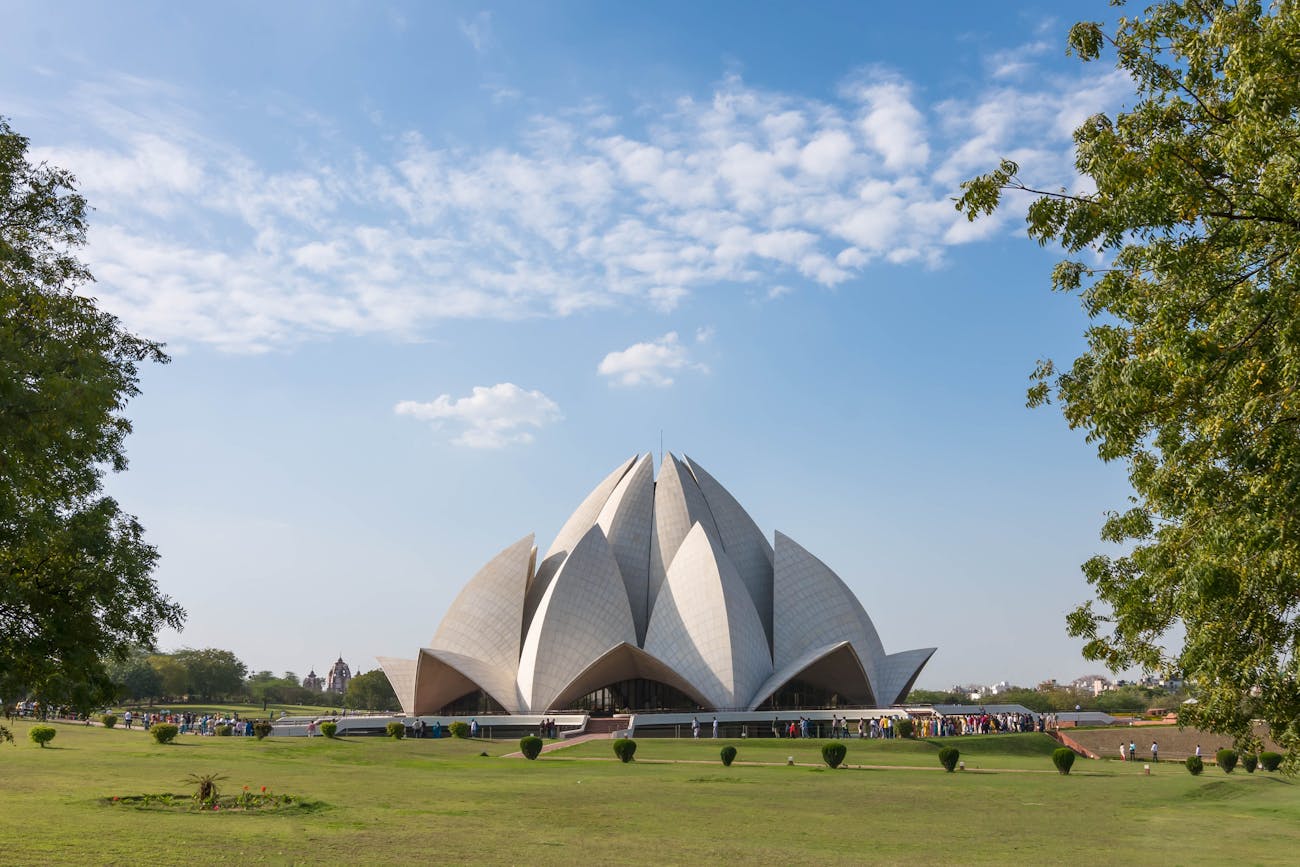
x=658 y=594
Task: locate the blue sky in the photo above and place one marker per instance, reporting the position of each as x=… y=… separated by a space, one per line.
x=428 y=272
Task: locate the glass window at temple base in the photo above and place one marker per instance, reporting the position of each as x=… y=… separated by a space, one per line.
x=800 y=695
x=638 y=694
x=477 y=702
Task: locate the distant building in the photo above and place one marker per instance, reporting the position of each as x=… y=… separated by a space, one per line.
x=337 y=680
x=313 y=681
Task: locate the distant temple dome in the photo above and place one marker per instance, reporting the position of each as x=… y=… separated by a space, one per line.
x=338 y=677
x=656 y=594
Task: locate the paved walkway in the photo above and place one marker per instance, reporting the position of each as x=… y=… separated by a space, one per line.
x=562 y=745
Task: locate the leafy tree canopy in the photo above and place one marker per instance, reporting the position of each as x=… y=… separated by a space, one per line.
x=75 y=571
x=371 y=691
x=211 y=673
x=1191 y=376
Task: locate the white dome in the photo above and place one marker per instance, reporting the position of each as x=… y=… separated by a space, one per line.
x=666 y=581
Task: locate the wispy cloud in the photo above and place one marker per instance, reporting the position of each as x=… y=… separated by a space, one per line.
x=490 y=417
x=478 y=30
x=195 y=241
x=650 y=363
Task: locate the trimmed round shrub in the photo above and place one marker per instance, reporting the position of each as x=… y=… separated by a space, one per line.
x=329 y=729
x=109 y=720
x=459 y=729
x=948 y=757
x=1250 y=761
x=728 y=755
x=261 y=729
x=396 y=730
x=1226 y=759
x=905 y=728
x=1063 y=758
x=223 y=731
x=530 y=746
x=833 y=753
x=625 y=749
x=1270 y=761
x=164 y=733
x=1194 y=765
x=42 y=735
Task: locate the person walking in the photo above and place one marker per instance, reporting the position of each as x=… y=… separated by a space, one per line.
x=1155 y=752
x=695 y=728
x=715 y=726
x=1132 y=751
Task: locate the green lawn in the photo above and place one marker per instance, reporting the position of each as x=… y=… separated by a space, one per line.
x=440 y=802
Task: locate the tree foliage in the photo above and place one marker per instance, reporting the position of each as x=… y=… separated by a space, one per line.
x=75 y=571
x=371 y=691
x=1191 y=376
x=211 y=673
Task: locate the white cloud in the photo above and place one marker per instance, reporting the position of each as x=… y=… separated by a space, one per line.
x=478 y=30
x=491 y=417
x=193 y=241
x=651 y=363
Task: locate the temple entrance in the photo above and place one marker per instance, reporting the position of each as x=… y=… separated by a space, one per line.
x=472 y=704
x=801 y=695
x=636 y=694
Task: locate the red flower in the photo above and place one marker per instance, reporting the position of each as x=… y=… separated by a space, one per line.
x=264 y=789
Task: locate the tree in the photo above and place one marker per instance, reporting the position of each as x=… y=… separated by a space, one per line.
x=1191 y=376
x=171 y=673
x=371 y=691
x=135 y=677
x=211 y=673
x=75 y=571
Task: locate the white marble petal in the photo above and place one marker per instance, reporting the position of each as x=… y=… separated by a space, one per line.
x=745 y=544
x=583 y=613
x=574 y=529
x=627 y=521
x=835 y=667
x=814 y=608
x=898 y=672
x=401 y=676
x=485 y=620
x=705 y=626
x=679 y=505
x=443 y=676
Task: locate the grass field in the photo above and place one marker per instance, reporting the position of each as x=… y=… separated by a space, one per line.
x=440 y=802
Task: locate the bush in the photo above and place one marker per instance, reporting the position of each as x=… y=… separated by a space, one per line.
x=1063 y=758
x=948 y=757
x=42 y=735
x=1226 y=759
x=109 y=720
x=728 y=755
x=1249 y=761
x=261 y=729
x=1270 y=761
x=223 y=731
x=459 y=729
x=530 y=746
x=329 y=729
x=164 y=733
x=396 y=730
x=834 y=753
x=905 y=728
x=625 y=749
x=1194 y=765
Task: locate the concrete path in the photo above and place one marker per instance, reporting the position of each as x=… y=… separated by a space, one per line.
x=561 y=745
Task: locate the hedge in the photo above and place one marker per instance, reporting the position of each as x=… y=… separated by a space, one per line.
x=948 y=757
x=329 y=729
x=1270 y=761
x=728 y=755
x=530 y=746
x=396 y=730
x=1063 y=758
x=625 y=748
x=164 y=733
x=833 y=753
x=1250 y=761
x=42 y=735
x=1194 y=765
x=459 y=729
x=109 y=720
